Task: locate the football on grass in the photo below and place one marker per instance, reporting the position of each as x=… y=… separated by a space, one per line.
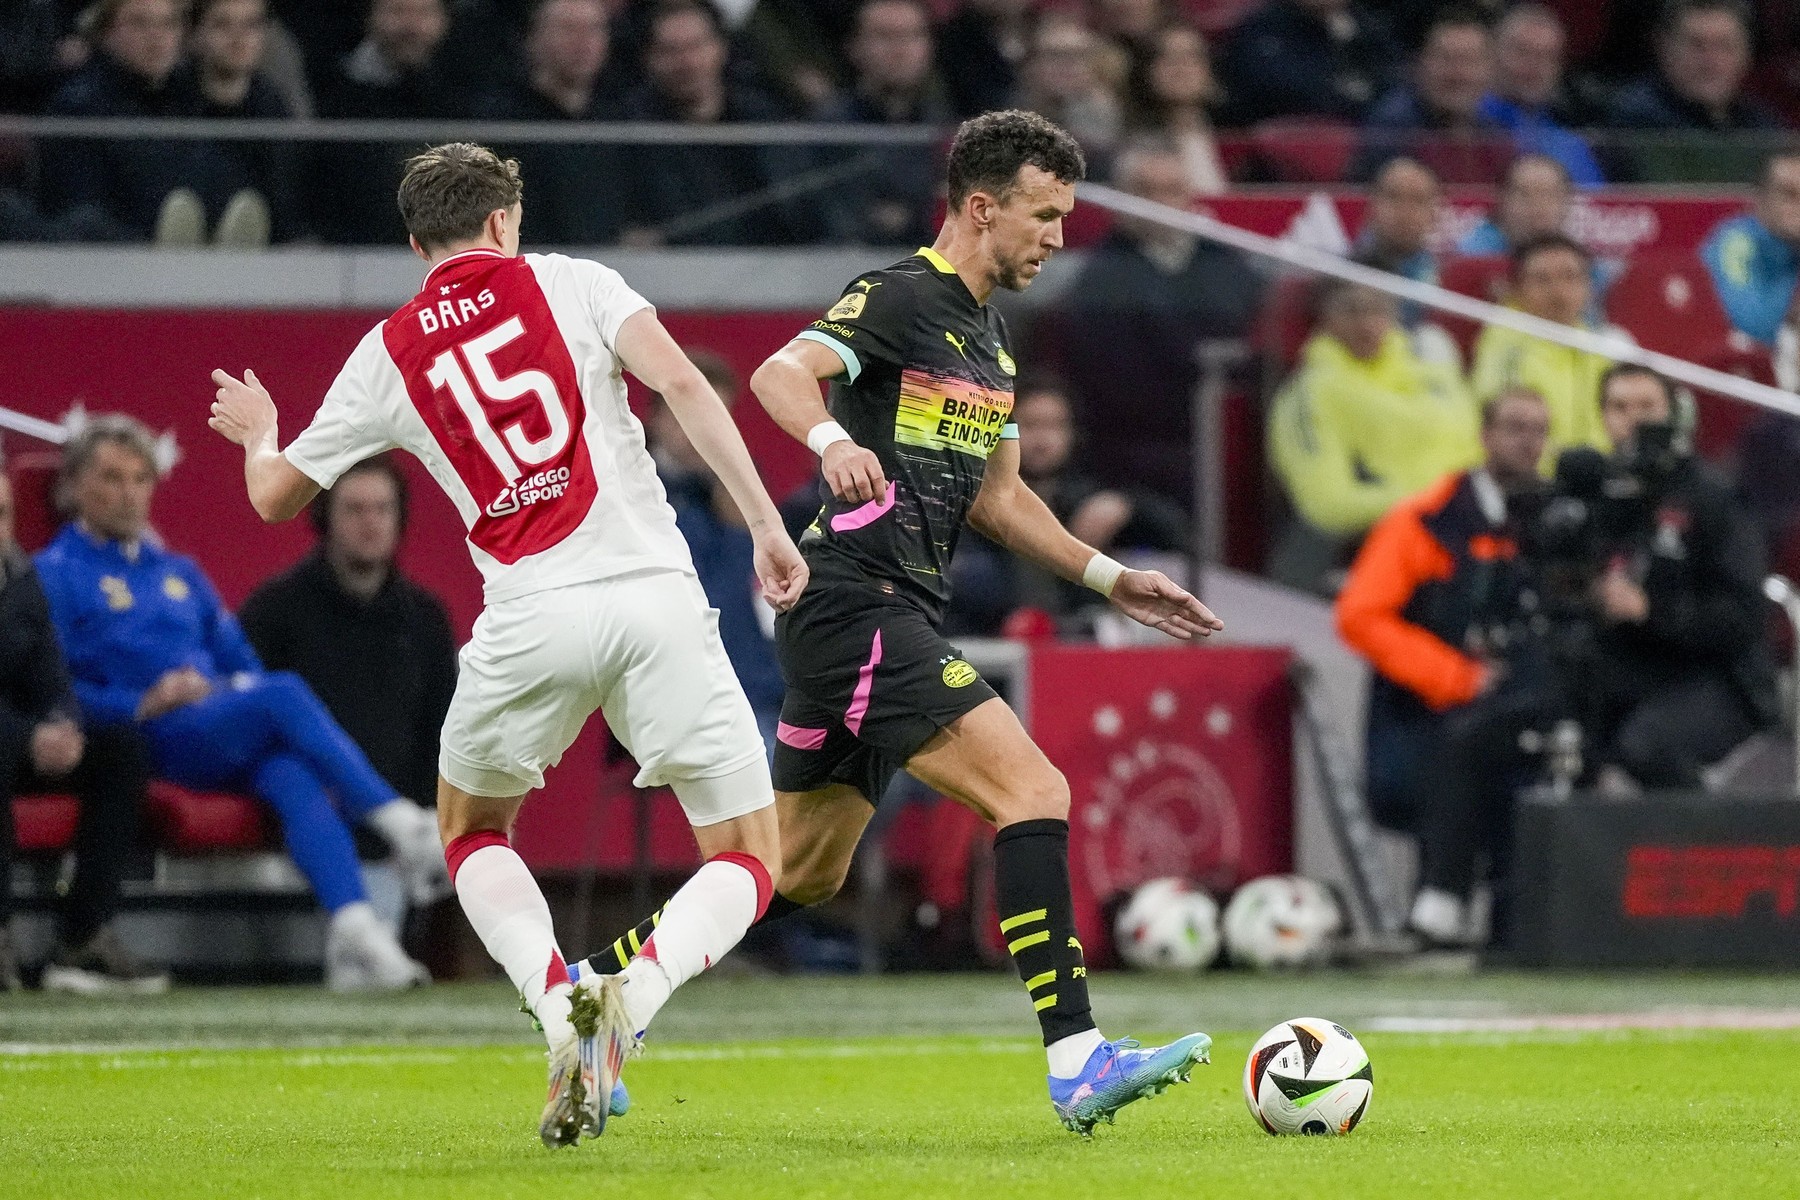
x=1168 y=926
x=1308 y=1076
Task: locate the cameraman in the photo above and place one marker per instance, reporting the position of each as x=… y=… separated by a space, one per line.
x=1681 y=671
x=1439 y=603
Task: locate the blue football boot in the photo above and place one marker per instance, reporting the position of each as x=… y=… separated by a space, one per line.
x=1118 y=1073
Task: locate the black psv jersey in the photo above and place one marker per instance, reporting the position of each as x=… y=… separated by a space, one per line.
x=928 y=386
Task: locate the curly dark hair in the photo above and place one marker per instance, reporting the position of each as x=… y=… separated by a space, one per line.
x=990 y=150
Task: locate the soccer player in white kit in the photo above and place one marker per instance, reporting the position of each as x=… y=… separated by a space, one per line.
x=503 y=377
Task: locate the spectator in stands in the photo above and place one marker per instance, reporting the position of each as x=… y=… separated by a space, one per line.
x=684 y=193
x=799 y=47
x=44 y=748
x=1437 y=601
x=1528 y=97
x=1110 y=519
x=1132 y=25
x=1551 y=277
x=148 y=641
x=980 y=52
x=578 y=192
x=890 y=194
x=395 y=73
x=143 y=184
x=1405 y=205
x=720 y=543
x=1406 y=202
x=374 y=646
x=1363 y=423
x=1702 y=57
x=1536 y=198
x=1062 y=78
x=1682 y=671
x=1754 y=259
x=229 y=42
x=1146 y=297
x=1438 y=117
x=36 y=51
x=1325 y=58
x=1168 y=94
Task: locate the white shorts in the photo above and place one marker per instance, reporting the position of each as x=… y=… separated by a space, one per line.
x=643 y=649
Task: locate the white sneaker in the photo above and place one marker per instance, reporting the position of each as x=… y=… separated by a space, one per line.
x=411 y=832
x=1440 y=918
x=362 y=954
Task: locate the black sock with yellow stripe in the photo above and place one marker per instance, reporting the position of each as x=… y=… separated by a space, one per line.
x=615 y=957
x=625 y=947
x=1037 y=919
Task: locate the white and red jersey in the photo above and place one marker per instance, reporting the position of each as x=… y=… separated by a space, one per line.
x=501 y=377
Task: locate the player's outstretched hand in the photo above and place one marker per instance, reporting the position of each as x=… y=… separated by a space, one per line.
x=853 y=472
x=780 y=570
x=242 y=409
x=1152 y=598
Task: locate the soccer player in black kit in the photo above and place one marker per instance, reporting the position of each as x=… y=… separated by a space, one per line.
x=918 y=442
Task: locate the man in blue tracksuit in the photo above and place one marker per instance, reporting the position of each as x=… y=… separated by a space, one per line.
x=1754 y=259
x=148 y=641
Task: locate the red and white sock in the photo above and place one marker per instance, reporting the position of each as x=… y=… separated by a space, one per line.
x=701 y=924
x=509 y=913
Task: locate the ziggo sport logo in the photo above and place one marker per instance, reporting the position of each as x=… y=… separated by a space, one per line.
x=545 y=485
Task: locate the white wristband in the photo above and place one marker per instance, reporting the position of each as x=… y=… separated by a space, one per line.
x=824 y=434
x=1102 y=574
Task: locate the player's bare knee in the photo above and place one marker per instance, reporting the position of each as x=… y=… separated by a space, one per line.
x=1043 y=796
x=812 y=885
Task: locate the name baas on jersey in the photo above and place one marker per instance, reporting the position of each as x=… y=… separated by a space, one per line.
x=501 y=377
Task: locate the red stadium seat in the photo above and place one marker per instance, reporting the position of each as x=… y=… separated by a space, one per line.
x=180 y=821
x=1305 y=149
x=1286 y=321
x=1216 y=17
x=189 y=822
x=44 y=824
x=33 y=475
x=1482 y=276
x=1667 y=302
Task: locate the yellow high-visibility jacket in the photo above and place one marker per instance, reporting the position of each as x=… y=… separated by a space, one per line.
x=1568 y=380
x=1350 y=438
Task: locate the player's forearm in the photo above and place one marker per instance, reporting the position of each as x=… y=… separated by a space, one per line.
x=789 y=393
x=1019 y=520
x=278 y=489
x=708 y=424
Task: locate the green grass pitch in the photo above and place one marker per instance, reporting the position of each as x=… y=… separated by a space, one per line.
x=906 y=1088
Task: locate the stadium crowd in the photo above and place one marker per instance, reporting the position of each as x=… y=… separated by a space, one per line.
x=1243 y=92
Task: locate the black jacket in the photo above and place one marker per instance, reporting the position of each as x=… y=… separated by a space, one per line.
x=34 y=680
x=1283 y=61
x=674 y=182
x=126 y=179
x=578 y=194
x=385 y=668
x=1701 y=562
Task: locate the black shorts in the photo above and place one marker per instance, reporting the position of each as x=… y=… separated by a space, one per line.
x=869 y=681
